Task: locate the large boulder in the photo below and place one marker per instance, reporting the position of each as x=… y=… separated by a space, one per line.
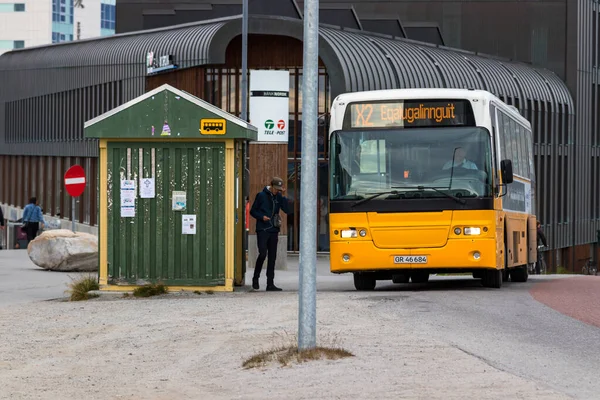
x=64 y=250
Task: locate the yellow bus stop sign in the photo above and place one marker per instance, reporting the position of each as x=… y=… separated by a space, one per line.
x=210 y=126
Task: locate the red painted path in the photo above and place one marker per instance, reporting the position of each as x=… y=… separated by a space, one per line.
x=578 y=297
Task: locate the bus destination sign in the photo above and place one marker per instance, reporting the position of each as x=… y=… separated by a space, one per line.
x=408 y=114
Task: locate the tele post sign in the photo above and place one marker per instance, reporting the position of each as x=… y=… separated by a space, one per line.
x=270 y=104
x=406 y=114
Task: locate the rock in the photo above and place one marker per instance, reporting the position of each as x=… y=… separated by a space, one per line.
x=63 y=250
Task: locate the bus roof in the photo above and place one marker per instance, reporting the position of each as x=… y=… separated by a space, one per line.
x=429 y=93
x=436 y=93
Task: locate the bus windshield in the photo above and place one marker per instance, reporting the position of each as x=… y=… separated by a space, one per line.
x=435 y=162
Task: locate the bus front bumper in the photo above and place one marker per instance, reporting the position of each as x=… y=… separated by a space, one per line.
x=354 y=256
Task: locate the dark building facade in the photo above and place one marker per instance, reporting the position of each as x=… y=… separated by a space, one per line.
x=47 y=93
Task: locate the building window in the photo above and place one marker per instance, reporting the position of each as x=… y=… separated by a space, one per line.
x=62 y=11
x=11 y=44
x=107 y=16
x=12 y=7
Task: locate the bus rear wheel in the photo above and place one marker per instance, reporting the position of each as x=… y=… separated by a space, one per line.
x=519 y=274
x=492 y=278
x=364 y=281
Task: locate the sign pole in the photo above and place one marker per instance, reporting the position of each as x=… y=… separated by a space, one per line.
x=73 y=213
x=307 y=321
x=244 y=116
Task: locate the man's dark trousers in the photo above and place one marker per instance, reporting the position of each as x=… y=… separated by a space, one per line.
x=267 y=245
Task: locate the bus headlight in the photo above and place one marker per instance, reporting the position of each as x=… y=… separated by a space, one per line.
x=472 y=231
x=346 y=257
x=363 y=233
x=349 y=233
x=457 y=231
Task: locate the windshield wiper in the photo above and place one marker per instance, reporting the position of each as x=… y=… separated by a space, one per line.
x=372 y=197
x=421 y=188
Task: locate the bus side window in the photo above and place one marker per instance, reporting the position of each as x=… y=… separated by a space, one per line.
x=504 y=137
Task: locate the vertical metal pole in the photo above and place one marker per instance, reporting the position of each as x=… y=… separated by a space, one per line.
x=307 y=321
x=73 y=212
x=244 y=116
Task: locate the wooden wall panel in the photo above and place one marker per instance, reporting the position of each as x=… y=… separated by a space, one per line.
x=266 y=161
x=190 y=80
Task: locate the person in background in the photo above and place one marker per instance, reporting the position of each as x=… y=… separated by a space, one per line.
x=540 y=237
x=32 y=217
x=1 y=225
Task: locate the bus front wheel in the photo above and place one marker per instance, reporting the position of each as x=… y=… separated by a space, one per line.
x=364 y=281
x=492 y=278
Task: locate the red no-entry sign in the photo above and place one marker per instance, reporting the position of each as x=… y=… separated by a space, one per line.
x=75 y=180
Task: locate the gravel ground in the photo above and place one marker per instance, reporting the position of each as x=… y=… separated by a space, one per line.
x=191 y=346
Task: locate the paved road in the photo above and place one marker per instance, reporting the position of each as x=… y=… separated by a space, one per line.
x=21 y=281
x=507 y=328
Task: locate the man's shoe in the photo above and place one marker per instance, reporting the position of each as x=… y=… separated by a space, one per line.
x=273 y=288
x=255 y=284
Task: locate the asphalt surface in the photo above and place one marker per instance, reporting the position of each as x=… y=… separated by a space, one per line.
x=506 y=328
x=542 y=330
x=21 y=281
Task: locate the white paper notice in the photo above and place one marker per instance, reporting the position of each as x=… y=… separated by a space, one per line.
x=147 y=188
x=179 y=200
x=188 y=225
x=128 y=198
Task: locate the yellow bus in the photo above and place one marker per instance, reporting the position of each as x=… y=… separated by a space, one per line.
x=426 y=181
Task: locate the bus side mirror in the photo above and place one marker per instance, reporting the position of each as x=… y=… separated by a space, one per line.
x=506 y=170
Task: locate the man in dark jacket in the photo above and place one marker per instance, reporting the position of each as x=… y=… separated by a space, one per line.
x=265 y=210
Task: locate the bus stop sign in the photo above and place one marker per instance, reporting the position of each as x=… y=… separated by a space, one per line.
x=75 y=180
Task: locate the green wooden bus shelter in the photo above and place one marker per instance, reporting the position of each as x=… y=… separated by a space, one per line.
x=171 y=205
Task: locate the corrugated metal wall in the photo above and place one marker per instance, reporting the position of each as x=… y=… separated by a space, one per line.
x=50 y=90
x=47 y=93
x=143 y=248
x=583 y=232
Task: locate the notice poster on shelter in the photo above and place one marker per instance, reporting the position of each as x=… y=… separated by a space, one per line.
x=179 y=201
x=188 y=224
x=128 y=195
x=147 y=188
x=270 y=104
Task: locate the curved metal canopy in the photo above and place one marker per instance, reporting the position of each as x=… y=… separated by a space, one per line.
x=355 y=60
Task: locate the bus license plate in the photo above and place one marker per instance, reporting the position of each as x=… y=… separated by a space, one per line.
x=410 y=259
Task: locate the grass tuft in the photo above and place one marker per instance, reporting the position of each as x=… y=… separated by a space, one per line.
x=150 y=290
x=198 y=292
x=210 y=292
x=79 y=288
x=287 y=353
x=563 y=271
